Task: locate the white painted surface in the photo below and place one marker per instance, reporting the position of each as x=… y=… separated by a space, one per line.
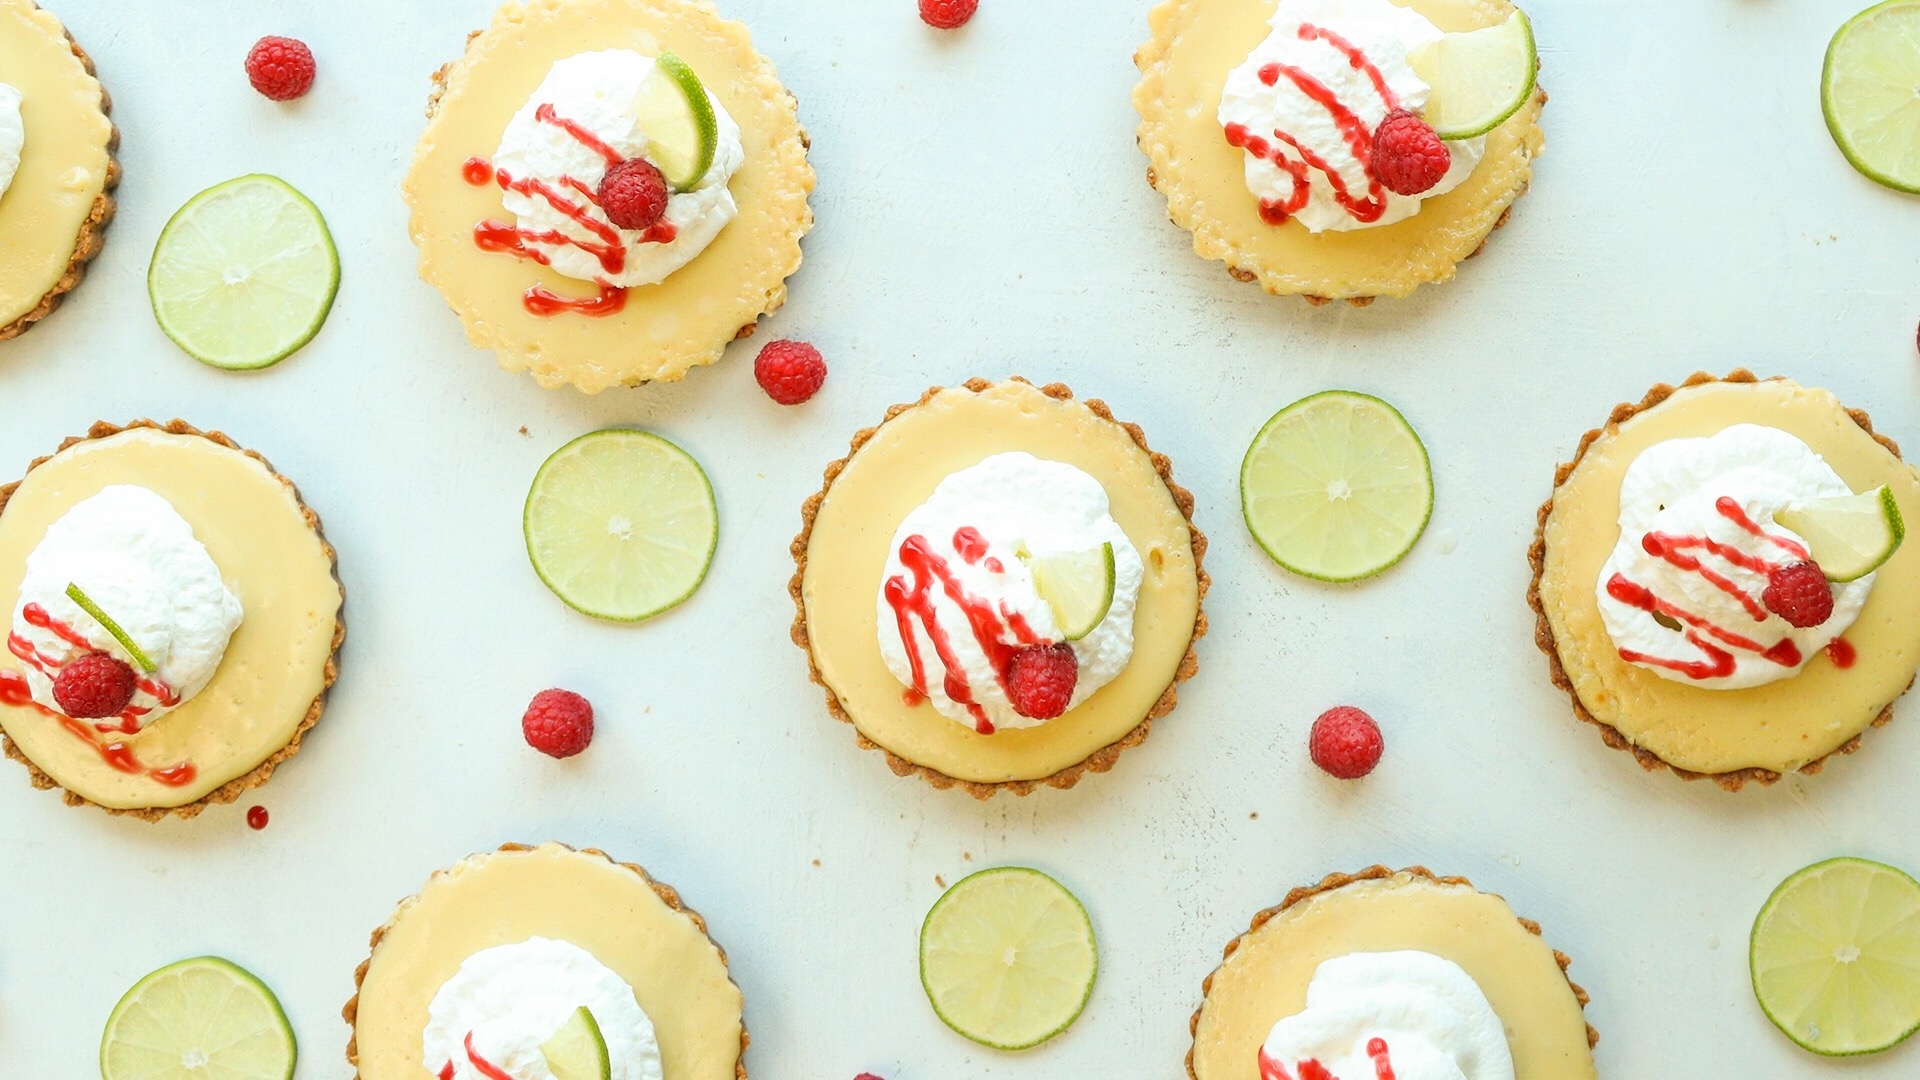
x=981 y=212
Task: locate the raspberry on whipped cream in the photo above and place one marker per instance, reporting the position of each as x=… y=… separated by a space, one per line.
x=495 y=1012
x=138 y=560
x=13 y=136
x=1683 y=593
x=957 y=602
x=1408 y=1015
x=1305 y=104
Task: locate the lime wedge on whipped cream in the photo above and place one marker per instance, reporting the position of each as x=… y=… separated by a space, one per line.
x=1851 y=536
x=1007 y=958
x=1835 y=957
x=578 y=1051
x=1479 y=78
x=1870 y=93
x=678 y=119
x=1077 y=586
x=196 y=1020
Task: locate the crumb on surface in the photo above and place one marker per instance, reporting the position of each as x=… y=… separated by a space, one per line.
x=816 y=862
x=524 y=431
x=940 y=881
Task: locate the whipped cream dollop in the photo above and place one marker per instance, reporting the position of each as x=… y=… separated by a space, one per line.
x=1305 y=104
x=13 y=136
x=1409 y=1015
x=598 y=92
x=137 y=559
x=1697 y=541
x=506 y=1001
x=958 y=600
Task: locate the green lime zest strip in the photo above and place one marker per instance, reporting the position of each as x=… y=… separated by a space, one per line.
x=75 y=594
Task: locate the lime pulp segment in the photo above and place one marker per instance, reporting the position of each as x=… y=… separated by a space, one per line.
x=1479 y=78
x=244 y=274
x=682 y=129
x=1835 y=957
x=578 y=1051
x=1007 y=958
x=1077 y=587
x=621 y=524
x=196 y=1020
x=1337 y=486
x=1851 y=536
x=1870 y=93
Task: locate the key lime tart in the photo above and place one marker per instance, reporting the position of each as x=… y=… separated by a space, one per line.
x=1339 y=149
x=174 y=619
x=610 y=191
x=544 y=962
x=1391 y=974
x=1000 y=587
x=1721 y=582
x=57 y=165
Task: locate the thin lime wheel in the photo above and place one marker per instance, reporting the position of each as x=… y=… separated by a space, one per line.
x=1851 y=536
x=1870 y=93
x=1337 y=486
x=1835 y=957
x=244 y=274
x=1077 y=587
x=681 y=128
x=196 y=1020
x=578 y=1051
x=621 y=524
x=1007 y=958
x=1479 y=77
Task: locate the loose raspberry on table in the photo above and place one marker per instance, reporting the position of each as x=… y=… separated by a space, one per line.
x=947 y=14
x=280 y=68
x=1408 y=157
x=634 y=194
x=559 y=723
x=1798 y=592
x=790 y=371
x=1345 y=743
x=94 y=686
x=1041 y=679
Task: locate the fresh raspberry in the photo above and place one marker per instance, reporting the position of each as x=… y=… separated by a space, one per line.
x=1345 y=742
x=634 y=194
x=790 y=371
x=866 y=1076
x=1798 y=592
x=947 y=14
x=559 y=723
x=94 y=686
x=281 y=68
x=1041 y=678
x=1408 y=157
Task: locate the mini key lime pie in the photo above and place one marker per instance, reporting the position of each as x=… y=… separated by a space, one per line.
x=1000 y=587
x=174 y=620
x=1721 y=581
x=1339 y=149
x=536 y=963
x=610 y=191
x=57 y=168
x=1391 y=974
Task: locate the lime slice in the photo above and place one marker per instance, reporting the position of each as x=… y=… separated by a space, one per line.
x=1479 y=78
x=244 y=274
x=79 y=596
x=1836 y=957
x=621 y=524
x=1007 y=958
x=1870 y=93
x=1851 y=536
x=1336 y=486
x=578 y=1051
x=1077 y=585
x=195 y=1020
x=677 y=116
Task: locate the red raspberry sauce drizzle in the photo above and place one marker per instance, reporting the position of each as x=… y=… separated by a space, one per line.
x=15 y=692
x=607 y=245
x=487 y=1068
x=1311 y=1069
x=1358 y=134
x=914 y=601
x=1719 y=662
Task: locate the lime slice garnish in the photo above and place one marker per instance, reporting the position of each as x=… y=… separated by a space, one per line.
x=244 y=274
x=677 y=116
x=1077 y=586
x=621 y=524
x=578 y=1051
x=195 y=1020
x=1851 y=536
x=1336 y=486
x=1479 y=78
x=79 y=596
x=1007 y=958
x=1870 y=93
x=1836 y=957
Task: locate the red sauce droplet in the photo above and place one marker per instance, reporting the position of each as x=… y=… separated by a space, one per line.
x=477 y=171
x=257 y=818
x=1842 y=653
x=1382 y=1061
